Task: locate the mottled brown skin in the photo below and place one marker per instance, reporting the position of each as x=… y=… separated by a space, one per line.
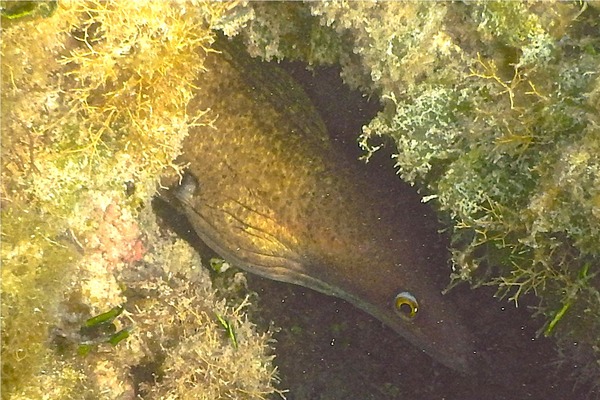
x=266 y=190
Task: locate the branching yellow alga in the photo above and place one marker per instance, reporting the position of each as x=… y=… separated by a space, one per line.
x=94 y=101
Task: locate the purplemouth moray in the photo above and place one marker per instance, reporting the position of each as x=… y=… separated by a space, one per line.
x=267 y=191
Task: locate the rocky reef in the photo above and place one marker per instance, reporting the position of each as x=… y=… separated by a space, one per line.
x=491 y=111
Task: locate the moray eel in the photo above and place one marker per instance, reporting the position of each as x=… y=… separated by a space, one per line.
x=266 y=190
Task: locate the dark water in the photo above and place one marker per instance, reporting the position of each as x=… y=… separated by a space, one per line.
x=328 y=349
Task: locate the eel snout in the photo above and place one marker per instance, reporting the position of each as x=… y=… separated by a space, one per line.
x=391 y=279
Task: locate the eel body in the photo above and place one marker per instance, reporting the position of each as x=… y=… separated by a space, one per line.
x=268 y=192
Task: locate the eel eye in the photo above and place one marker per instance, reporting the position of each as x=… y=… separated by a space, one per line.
x=406 y=305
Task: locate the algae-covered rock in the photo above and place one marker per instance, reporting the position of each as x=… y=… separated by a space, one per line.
x=492 y=106
x=97 y=301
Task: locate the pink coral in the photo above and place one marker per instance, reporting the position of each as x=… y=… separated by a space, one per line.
x=117 y=238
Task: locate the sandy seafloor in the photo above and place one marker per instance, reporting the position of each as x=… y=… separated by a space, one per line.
x=328 y=349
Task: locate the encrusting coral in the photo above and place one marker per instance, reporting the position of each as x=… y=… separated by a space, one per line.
x=94 y=303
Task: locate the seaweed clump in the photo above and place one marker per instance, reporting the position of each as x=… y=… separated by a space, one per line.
x=493 y=108
x=94 y=99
